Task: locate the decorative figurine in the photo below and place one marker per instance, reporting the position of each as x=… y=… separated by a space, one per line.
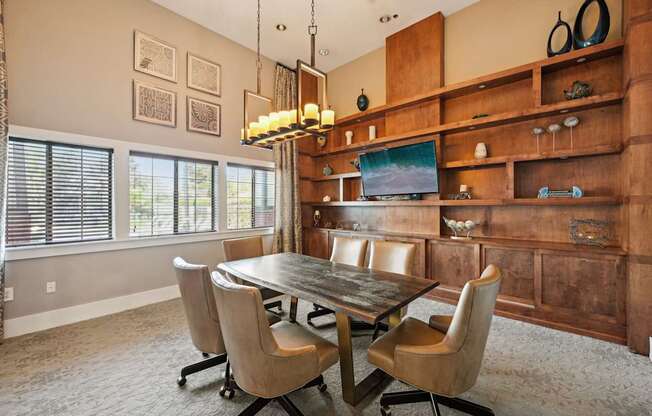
x=356 y=164
x=316 y=218
x=480 y=151
x=601 y=30
x=574 y=192
x=372 y=133
x=356 y=226
x=554 y=129
x=538 y=131
x=578 y=90
x=327 y=171
x=326 y=198
x=363 y=101
x=460 y=227
x=571 y=122
x=568 y=45
x=349 y=137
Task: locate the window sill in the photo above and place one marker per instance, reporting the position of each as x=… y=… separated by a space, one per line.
x=35 y=252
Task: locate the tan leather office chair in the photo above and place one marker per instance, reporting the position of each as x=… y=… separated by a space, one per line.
x=268 y=362
x=245 y=248
x=443 y=360
x=351 y=251
x=392 y=257
x=201 y=313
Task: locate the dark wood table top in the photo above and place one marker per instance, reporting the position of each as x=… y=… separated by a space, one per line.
x=369 y=295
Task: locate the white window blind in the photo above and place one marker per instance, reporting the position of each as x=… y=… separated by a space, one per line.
x=170 y=195
x=250 y=197
x=58 y=193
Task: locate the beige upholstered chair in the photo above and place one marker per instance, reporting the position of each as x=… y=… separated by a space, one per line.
x=443 y=360
x=201 y=312
x=268 y=362
x=245 y=248
x=351 y=251
x=392 y=257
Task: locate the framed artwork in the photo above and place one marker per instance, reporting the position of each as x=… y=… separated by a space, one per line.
x=154 y=57
x=204 y=117
x=155 y=105
x=204 y=75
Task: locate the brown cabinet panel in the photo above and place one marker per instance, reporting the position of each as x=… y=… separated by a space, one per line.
x=592 y=287
x=453 y=264
x=517 y=267
x=315 y=243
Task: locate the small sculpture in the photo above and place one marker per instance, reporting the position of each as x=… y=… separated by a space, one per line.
x=316 y=218
x=356 y=164
x=571 y=122
x=480 y=151
x=460 y=227
x=590 y=232
x=363 y=101
x=538 y=131
x=554 y=129
x=569 y=38
x=327 y=171
x=601 y=29
x=326 y=198
x=574 y=192
x=578 y=90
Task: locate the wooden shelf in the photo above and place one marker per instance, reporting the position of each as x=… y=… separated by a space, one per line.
x=585 y=201
x=562 y=154
x=335 y=177
x=493 y=80
x=486 y=122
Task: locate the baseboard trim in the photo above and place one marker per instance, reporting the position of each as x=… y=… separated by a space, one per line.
x=70 y=315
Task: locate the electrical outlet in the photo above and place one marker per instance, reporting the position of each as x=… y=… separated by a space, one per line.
x=9 y=294
x=50 y=287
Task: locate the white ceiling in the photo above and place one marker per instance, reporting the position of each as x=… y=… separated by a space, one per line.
x=348 y=28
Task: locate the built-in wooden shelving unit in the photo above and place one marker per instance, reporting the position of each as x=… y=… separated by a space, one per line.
x=526 y=236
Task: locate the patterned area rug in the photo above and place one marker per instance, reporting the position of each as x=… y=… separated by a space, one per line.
x=127 y=364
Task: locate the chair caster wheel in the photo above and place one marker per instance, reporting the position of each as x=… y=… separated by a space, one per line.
x=227 y=393
x=315 y=307
x=323 y=387
x=181 y=381
x=204 y=355
x=384 y=411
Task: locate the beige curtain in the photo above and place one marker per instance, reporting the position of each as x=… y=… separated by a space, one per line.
x=287 y=228
x=4 y=129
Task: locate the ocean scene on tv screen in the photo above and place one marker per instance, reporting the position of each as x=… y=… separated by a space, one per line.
x=401 y=170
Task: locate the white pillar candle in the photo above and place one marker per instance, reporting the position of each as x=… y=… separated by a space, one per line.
x=372 y=132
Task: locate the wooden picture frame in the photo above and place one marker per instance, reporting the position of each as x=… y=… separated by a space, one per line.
x=203 y=116
x=204 y=75
x=155 y=105
x=155 y=57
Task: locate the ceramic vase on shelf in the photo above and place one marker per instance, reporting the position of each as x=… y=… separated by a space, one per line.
x=372 y=133
x=480 y=151
x=349 y=137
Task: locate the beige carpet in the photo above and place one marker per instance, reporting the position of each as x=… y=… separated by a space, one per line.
x=127 y=364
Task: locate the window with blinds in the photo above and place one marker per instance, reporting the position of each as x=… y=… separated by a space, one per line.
x=57 y=193
x=170 y=195
x=249 y=197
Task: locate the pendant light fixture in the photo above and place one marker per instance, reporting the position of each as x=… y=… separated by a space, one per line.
x=311 y=117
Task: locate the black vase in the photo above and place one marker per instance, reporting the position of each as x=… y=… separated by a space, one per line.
x=363 y=101
x=601 y=30
x=568 y=45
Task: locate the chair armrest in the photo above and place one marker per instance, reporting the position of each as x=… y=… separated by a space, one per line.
x=440 y=322
x=403 y=351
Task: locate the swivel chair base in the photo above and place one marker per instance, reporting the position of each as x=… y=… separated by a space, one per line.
x=418 y=396
x=284 y=401
x=200 y=366
x=319 y=310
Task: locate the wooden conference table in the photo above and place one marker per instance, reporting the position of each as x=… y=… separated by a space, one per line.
x=351 y=292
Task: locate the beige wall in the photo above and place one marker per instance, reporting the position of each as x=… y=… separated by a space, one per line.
x=70 y=65
x=489 y=36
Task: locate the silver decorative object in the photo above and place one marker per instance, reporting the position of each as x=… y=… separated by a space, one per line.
x=571 y=122
x=554 y=129
x=590 y=232
x=573 y=192
x=460 y=227
x=538 y=131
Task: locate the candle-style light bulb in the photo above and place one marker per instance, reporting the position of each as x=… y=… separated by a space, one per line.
x=311 y=113
x=327 y=118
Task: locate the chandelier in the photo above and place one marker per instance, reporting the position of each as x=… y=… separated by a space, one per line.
x=311 y=118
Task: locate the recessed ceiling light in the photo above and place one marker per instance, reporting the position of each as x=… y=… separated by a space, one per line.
x=281 y=27
x=324 y=52
x=482 y=86
x=580 y=60
x=385 y=18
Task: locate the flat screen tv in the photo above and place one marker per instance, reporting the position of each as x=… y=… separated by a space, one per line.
x=400 y=170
